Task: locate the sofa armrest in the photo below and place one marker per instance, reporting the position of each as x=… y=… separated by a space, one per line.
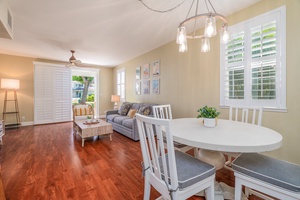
x=110 y=112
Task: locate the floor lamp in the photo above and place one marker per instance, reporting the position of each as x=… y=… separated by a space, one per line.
x=11 y=84
x=116 y=99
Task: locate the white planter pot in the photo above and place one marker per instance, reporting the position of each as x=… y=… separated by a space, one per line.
x=210 y=122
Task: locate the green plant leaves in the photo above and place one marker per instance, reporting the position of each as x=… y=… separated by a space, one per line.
x=208 y=112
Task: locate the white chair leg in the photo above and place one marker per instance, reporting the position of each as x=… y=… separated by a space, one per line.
x=147 y=190
x=238 y=190
x=247 y=192
x=210 y=192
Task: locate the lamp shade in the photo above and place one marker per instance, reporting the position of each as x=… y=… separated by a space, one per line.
x=115 y=98
x=10 y=84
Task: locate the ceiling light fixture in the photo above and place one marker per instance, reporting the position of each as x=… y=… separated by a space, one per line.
x=209 y=31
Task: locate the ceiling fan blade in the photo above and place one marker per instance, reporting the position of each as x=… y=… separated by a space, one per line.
x=80 y=64
x=68 y=65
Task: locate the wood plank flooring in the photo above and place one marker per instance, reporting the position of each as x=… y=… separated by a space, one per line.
x=48 y=162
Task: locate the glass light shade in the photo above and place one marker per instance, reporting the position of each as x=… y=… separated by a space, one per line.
x=205 y=47
x=210 y=27
x=12 y=84
x=183 y=47
x=181 y=35
x=225 y=35
x=115 y=98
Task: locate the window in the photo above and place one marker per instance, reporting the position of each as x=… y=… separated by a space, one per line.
x=253 y=63
x=121 y=83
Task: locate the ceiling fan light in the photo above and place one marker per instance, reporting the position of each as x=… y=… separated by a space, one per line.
x=181 y=35
x=205 y=47
x=210 y=27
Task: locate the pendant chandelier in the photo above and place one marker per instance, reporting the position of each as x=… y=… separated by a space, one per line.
x=209 y=31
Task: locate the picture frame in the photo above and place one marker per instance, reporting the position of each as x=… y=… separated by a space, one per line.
x=146 y=87
x=138 y=73
x=146 y=70
x=138 y=87
x=155 y=86
x=156 y=68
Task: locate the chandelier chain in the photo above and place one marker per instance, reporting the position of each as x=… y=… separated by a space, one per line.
x=161 y=11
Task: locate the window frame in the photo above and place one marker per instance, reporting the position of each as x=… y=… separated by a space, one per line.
x=121 y=92
x=279 y=104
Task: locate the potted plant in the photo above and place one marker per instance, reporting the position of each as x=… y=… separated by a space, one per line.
x=210 y=116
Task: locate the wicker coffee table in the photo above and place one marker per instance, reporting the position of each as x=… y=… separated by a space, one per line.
x=86 y=130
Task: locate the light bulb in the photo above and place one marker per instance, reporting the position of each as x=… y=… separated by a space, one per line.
x=183 y=47
x=181 y=35
x=210 y=27
x=205 y=47
x=225 y=35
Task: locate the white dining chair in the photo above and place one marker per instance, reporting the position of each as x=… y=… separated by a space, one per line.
x=174 y=174
x=165 y=112
x=251 y=115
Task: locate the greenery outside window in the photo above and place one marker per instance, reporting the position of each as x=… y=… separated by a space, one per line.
x=253 y=63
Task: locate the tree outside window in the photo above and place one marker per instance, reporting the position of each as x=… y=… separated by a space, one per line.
x=83 y=90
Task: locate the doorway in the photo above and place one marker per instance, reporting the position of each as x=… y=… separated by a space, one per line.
x=93 y=93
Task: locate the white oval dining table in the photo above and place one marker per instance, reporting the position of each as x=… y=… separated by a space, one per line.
x=227 y=136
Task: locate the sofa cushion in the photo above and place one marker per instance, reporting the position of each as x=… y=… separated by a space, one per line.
x=144 y=110
x=136 y=106
x=150 y=105
x=111 y=117
x=125 y=108
x=128 y=123
x=119 y=119
x=131 y=113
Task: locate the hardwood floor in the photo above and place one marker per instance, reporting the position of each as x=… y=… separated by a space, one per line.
x=48 y=162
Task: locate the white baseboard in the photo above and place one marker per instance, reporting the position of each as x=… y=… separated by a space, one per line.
x=27 y=123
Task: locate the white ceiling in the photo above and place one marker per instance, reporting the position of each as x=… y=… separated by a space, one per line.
x=103 y=32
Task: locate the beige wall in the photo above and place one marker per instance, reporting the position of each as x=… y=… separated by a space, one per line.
x=192 y=79
x=22 y=68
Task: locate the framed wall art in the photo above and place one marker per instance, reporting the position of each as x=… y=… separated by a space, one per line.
x=155 y=86
x=156 y=68
x=146 y=70
x=146 y=87
x=138 y=73
x=138 y=87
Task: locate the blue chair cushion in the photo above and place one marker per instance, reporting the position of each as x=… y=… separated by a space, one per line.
x=191 y=170
x=276 y=172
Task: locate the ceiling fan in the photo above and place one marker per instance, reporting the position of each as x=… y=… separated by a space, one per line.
x=74 y=62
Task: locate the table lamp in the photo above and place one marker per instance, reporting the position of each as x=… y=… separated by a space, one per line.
x=115 y=99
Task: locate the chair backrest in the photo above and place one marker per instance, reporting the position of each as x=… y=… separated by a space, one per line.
x=162 y=111
x=155 y=158
x=81 y=111
x=242 y=114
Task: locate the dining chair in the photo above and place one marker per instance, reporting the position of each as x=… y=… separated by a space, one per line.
x=165 y=112
x=251 y=115
x=174 y=174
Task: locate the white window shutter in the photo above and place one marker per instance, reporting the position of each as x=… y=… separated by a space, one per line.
x=52 y=93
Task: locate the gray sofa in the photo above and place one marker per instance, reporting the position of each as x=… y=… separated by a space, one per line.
x=124 y=124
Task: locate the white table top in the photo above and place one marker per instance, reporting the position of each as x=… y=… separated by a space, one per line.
x=227 y=136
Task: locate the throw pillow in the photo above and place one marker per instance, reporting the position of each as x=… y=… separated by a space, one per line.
x=144 y=110
x=131 y=113
x=124 y=108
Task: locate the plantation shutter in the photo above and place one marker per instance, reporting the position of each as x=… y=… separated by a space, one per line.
x=253 y=63
x=263 y=61
x=52 y=93
x=234 y=67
